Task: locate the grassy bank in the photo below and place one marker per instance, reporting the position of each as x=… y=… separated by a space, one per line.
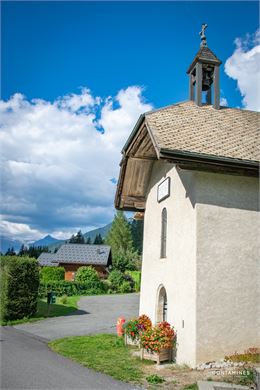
x=104 y=353
x=55 y=310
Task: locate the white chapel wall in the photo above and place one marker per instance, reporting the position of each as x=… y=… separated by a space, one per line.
x=228 y=254
x=177 y=272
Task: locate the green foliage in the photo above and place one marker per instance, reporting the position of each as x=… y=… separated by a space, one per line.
x=116 y=278
x=125 y=287
x=120 y=282
x=247 y=377
x=19 y=287
x=136 y=276
x=64 y=299
x=98 y=240
x=48 y=274
x=35 y=251
x=137 y=227
x=120 y=239
x=154 y=379
x=78 y=239
x=72 y=288
x=86 y=274
x=123 y=261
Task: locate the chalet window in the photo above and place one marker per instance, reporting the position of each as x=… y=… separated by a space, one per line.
x=164 y=233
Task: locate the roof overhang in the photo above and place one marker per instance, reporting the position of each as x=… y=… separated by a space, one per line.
x=141 y=151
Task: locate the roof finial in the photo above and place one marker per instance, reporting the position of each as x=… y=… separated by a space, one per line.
x=203 y=38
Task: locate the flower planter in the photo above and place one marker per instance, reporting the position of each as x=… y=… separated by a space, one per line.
x=158 y=357
x=129 y=341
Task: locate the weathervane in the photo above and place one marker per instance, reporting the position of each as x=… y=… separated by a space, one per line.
x=203 y=38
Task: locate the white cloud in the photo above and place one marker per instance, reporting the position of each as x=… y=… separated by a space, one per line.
x=223 y=102
x=57 y=165
x=19 y=231
x=244 y=67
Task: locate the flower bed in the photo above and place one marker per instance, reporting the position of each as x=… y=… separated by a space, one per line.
x=158 y=342
x=134 y=328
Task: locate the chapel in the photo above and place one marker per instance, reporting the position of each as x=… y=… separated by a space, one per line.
x=191 y=171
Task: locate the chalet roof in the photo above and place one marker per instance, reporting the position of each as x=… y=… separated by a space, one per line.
x=228 y=133
x=47 y=259
x=83 y=254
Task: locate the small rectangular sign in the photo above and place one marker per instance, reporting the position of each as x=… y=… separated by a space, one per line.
x=163 y=190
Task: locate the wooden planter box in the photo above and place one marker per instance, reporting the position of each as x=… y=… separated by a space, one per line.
x=164 y=355
x=129 y=341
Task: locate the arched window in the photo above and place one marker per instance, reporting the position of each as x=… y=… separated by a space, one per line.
x=164 y=233
x=161 y=312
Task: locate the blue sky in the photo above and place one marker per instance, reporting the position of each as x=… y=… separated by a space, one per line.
x=130 y=57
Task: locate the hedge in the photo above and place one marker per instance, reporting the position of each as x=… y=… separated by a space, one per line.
x=19 y=287
x=72 y=288
x=49 y=274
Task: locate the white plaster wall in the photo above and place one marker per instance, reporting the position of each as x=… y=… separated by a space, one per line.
x=178 y=271
x=228 y=249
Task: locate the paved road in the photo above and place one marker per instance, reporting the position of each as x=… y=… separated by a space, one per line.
x=96 y=314
x=28 y=363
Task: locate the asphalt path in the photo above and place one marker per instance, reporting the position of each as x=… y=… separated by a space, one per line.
x=96 y=314
x=28 y=363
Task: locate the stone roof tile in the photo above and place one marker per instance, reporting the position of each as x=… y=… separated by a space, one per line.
x=225 y=133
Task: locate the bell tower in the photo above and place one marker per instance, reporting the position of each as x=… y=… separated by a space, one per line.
x=204 y=74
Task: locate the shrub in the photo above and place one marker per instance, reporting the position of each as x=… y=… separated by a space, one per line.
x=154 y=379
x=125 y=287
x=136 y=276
x=72 y=288
x=86 y=274
x=49 y=274
x=120 y=282
x=19 y=287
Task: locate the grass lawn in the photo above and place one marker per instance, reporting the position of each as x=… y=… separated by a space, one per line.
x=104 y=353
x=56 y=309
x=107 y=353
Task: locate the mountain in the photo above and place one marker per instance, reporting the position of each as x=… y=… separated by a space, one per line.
x=46 y=241
x=7 y=242
x=102 y=231
x=92 y=234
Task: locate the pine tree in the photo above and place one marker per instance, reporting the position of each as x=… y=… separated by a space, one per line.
x=98 y=240
x=89 y=242
x=10 y=252
x=120 y=239
x=23 y=251
x=78 y=239
x=137 y=227
x=119 y=236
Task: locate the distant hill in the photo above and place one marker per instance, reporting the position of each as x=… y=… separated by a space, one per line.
x=102 y=231
x=92 y=234
x=46 y=241
x=7 y=242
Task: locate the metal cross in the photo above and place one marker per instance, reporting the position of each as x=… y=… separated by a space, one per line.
x=202 y=34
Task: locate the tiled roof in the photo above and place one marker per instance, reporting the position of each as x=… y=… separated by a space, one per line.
x=83 y=254
x=226 y=133
x=47 y=259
